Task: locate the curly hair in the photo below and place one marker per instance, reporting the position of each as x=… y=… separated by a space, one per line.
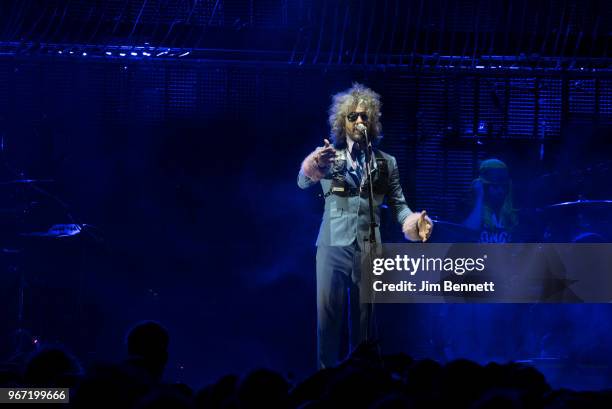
x=507 y=214
x=347 y=101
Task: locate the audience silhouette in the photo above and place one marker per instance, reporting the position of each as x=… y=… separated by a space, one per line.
x=365 y=379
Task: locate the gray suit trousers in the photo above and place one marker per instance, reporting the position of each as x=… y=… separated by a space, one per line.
x=338 y=277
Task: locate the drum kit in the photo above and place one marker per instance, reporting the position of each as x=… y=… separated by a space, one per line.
x=24 y=230
x=542 y=329
x=579 y=220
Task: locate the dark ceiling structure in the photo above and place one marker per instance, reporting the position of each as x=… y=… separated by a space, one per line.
x=554 y=34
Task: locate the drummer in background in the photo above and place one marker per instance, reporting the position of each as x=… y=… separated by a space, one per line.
x=490 y=209
x=474 y=329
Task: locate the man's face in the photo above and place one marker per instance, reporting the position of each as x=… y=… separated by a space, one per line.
x=351 y=127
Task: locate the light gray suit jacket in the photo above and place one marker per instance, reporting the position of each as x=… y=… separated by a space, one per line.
x=346 y=219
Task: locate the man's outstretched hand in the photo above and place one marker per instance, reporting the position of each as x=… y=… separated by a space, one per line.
x=325 y=155
x=317 y=163
x=425 y=226
x=417 y=226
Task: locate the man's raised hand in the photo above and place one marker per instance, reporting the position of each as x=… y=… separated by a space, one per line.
x=325 y=155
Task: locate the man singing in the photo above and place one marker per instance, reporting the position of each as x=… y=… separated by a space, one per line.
x=340 y=168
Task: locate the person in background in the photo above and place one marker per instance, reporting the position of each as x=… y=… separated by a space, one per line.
x=490 y=209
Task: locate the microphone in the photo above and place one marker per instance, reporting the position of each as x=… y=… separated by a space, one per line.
x=364 y=131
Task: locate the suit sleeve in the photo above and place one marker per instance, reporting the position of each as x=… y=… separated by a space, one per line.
x=395 y=197
x=303 y=181
x=310 y=172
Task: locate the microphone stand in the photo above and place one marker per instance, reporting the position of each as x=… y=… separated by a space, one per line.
x=368 y=168
x=372 y=245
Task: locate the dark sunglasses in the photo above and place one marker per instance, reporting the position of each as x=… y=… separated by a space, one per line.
x=352 y=117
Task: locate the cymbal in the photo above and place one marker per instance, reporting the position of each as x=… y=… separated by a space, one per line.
x=451 y=225
x=56 y=231
x=581 y=203
x=578 y=221
x=25 y=181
